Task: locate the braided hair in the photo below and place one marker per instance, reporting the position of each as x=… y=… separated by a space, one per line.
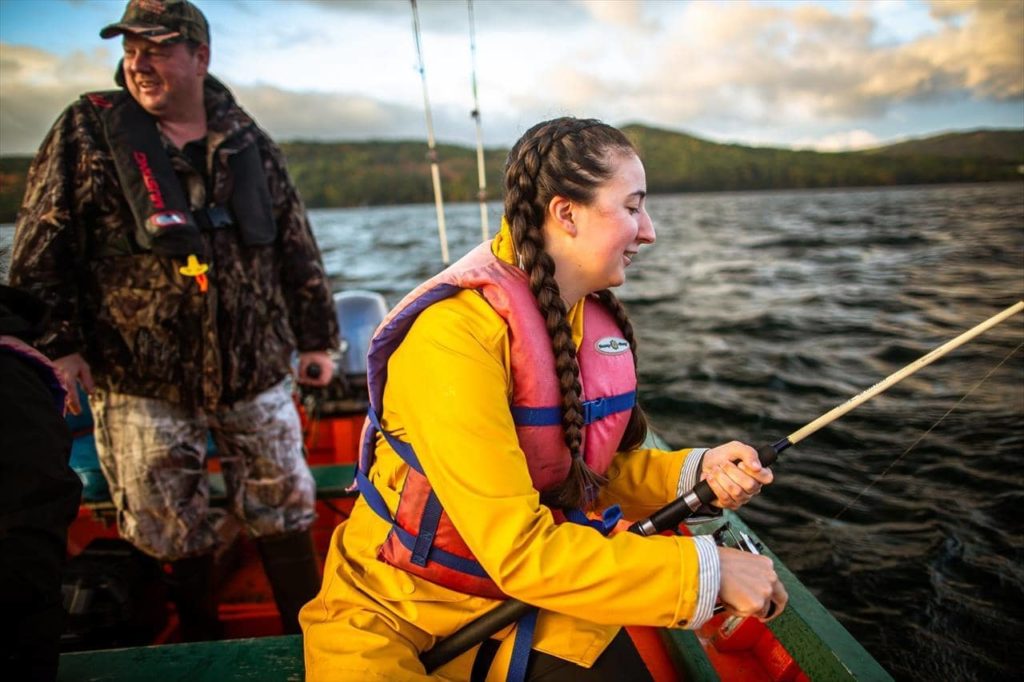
x=572 y=158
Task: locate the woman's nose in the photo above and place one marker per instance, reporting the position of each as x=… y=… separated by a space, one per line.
x=646 y=233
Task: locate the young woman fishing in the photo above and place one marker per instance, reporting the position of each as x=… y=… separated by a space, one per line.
x=502 y=399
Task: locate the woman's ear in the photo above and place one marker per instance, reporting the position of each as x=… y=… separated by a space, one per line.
x=560 y=213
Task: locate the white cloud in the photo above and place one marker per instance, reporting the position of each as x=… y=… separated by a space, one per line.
x=774 y=72
x=843 y=141
x=35 y=86
x=622 y=13
x=771 y=63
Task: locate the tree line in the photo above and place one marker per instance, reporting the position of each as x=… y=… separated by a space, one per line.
x=342 y=174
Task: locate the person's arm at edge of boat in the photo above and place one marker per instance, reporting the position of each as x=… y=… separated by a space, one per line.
x=304 y=279
x=44 y=258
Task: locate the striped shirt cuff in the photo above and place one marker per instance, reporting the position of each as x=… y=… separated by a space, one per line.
x=690 y=473
x=710 y=581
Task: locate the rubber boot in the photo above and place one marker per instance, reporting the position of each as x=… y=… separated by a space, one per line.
x=191 y=589
x=294 y=574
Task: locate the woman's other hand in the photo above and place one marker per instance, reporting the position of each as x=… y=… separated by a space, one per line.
x=750 y=585
x=734 y=473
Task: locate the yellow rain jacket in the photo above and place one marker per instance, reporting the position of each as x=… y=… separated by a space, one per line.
x=448 y=393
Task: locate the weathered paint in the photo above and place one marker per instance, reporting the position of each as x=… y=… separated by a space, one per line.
x=263 y=658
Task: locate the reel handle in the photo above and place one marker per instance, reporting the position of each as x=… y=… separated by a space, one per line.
x=744 y=543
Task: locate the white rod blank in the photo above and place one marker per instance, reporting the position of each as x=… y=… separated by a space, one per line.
x=481 y=172
x=902 y=374
x=435 y=174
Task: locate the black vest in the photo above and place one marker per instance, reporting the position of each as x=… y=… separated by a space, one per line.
x=164 y=222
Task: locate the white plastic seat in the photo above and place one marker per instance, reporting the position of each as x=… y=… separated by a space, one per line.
x=359 y=313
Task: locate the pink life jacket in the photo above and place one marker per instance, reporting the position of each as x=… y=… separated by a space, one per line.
x=422 y=540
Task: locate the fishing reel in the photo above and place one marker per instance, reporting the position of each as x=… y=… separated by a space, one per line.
x=727 y=536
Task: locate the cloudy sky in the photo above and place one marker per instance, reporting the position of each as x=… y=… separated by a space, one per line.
x=805 y=74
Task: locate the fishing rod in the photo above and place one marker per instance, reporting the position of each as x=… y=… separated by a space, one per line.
x=677 y=511
x=435 y=173
x=480 y=167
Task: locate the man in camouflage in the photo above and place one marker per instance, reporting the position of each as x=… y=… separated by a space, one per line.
x=160 y=224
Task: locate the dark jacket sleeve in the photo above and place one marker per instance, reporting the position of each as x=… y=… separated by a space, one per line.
x=303 y=277
x=39 y=497
x=44 y=258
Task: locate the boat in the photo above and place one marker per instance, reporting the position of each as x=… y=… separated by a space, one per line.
x=122 y=627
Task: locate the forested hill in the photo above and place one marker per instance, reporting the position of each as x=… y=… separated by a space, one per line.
x=1007 y=145
x=677 y=162
x=332 y=174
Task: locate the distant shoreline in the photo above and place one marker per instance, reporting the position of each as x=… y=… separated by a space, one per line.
x=354 y=174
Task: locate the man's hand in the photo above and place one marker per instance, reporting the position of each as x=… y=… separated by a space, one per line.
x=75 y=370
x=734 y=473
x=318 y=358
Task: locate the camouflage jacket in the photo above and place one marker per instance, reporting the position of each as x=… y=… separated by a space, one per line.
x=144 y=328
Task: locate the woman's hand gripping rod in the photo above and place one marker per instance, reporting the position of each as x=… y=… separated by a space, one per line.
x=677 y=511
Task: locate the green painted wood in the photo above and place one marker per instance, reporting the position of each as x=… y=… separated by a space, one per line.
x=332 y=482
x=820 y=645
x=688 y=656
x=269 y=659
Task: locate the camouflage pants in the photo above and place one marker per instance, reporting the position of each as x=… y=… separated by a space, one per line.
x=153 y=455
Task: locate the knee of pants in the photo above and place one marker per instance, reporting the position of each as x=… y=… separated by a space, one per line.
x=278 y=504
x=169 y=534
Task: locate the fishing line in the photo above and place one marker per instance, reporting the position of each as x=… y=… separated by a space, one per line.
x=920 y=438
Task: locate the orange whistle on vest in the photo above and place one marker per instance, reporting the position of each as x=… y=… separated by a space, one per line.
x=193 y=268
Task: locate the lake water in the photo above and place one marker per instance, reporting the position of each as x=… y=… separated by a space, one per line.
x=758 y=312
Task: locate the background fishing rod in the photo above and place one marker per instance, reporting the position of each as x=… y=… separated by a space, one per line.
x=680 y=509
x=481 y=168
x=435 y=173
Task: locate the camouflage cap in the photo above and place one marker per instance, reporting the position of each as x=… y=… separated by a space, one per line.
x=161 y=21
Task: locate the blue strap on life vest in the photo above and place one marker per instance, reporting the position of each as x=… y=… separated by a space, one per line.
x=523 y=643
x=408 y=540
x=428 y=529
x=609 y=518
x=421 y=545
x=401 y=448
x=593 y=410
x=521 y=647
